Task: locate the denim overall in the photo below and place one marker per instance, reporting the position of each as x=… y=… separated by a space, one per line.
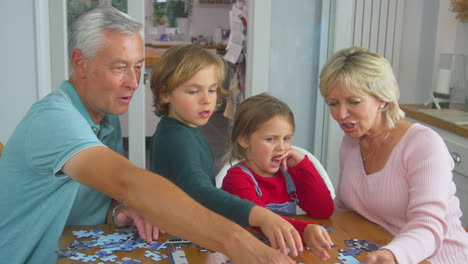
x=287 y=208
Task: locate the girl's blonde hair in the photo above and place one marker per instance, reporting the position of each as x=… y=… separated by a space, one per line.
x=176 y=66
x=364 y=72
x=251 y=114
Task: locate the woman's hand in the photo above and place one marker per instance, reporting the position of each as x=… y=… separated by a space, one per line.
x=126 y=216
x=381 y=256
x=291 y=158
x=317 y=239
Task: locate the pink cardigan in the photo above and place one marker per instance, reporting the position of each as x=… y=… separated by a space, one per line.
x=413 y=197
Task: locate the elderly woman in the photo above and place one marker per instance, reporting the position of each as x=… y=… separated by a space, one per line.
x=392 y=172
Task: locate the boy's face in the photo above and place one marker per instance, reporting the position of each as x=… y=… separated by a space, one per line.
x=194 y=101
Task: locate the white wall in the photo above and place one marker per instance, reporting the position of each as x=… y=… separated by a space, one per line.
x=429 y=28
x=206 y=17
x=418 y=50
x=18 y=70
x=293 y=62
x=452 y=37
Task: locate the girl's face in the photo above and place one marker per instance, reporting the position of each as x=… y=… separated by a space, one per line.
x=194 y=101
x=264 y=147
x=357 y=115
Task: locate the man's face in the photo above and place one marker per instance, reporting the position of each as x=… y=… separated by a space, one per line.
x=112 y=76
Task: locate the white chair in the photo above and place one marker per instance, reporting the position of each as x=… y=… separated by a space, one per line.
x=222 y=173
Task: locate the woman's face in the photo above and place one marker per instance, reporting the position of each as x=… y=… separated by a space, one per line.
x=357 y=115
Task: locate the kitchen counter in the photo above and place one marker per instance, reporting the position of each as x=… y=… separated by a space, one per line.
x=168 y=44
x=153 y=51
x=412 y=111
x=152 y=56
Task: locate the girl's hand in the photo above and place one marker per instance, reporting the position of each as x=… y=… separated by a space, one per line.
x=317 y=239
x=280 y=233
x=291 y=158
x=381 y=256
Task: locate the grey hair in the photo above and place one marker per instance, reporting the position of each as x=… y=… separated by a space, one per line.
x=85 y=31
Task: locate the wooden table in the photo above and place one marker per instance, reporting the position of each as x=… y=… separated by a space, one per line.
x=347 y=225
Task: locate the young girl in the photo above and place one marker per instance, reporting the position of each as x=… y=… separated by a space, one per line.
x=272 y=174
x=185 y=83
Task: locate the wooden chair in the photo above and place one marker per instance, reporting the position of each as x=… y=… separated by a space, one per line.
x=1 y=149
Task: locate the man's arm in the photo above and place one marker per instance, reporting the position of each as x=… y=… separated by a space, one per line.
x=166 y=206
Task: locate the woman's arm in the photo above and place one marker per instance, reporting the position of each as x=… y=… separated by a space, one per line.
x=429 y=176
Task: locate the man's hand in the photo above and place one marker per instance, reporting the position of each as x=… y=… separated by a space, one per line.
x=381 y=256
x=126 y=216
x=253 y=251
x=317 y=239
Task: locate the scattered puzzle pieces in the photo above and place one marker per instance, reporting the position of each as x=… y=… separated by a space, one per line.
x=93 y=233
x=154 y=255
x=128 y=261
x=124 y=239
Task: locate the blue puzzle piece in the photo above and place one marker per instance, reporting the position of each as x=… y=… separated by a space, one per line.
x=127 y=260
x=154 y=255
x=350 y=252
x=157 y=246
x=348 y=259
x=83 y=257
x=110 y=258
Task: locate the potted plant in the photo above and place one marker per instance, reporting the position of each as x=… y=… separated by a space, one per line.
x=159 y=16
x=177 y=9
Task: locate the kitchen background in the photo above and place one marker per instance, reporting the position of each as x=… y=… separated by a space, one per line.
x=288 y=42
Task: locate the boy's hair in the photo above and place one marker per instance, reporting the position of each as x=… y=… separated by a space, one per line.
x=251 y=114
x=363 y=72
x=176 y=66
x=86 y=30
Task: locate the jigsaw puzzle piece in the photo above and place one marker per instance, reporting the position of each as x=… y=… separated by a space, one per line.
x=348 y=259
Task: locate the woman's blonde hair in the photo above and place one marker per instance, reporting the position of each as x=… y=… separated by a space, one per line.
x=364 y=72
x=176 y=66
x=251 y=114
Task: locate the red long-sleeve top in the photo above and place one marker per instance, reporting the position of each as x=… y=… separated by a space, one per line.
x=314 y=196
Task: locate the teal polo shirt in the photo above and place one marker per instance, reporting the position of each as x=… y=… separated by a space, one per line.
x=37 y=199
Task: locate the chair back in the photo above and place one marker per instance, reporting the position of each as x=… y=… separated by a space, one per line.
x=222 y=173
x=321 y=170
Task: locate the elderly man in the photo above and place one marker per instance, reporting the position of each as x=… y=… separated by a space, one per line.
x=62 y=163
